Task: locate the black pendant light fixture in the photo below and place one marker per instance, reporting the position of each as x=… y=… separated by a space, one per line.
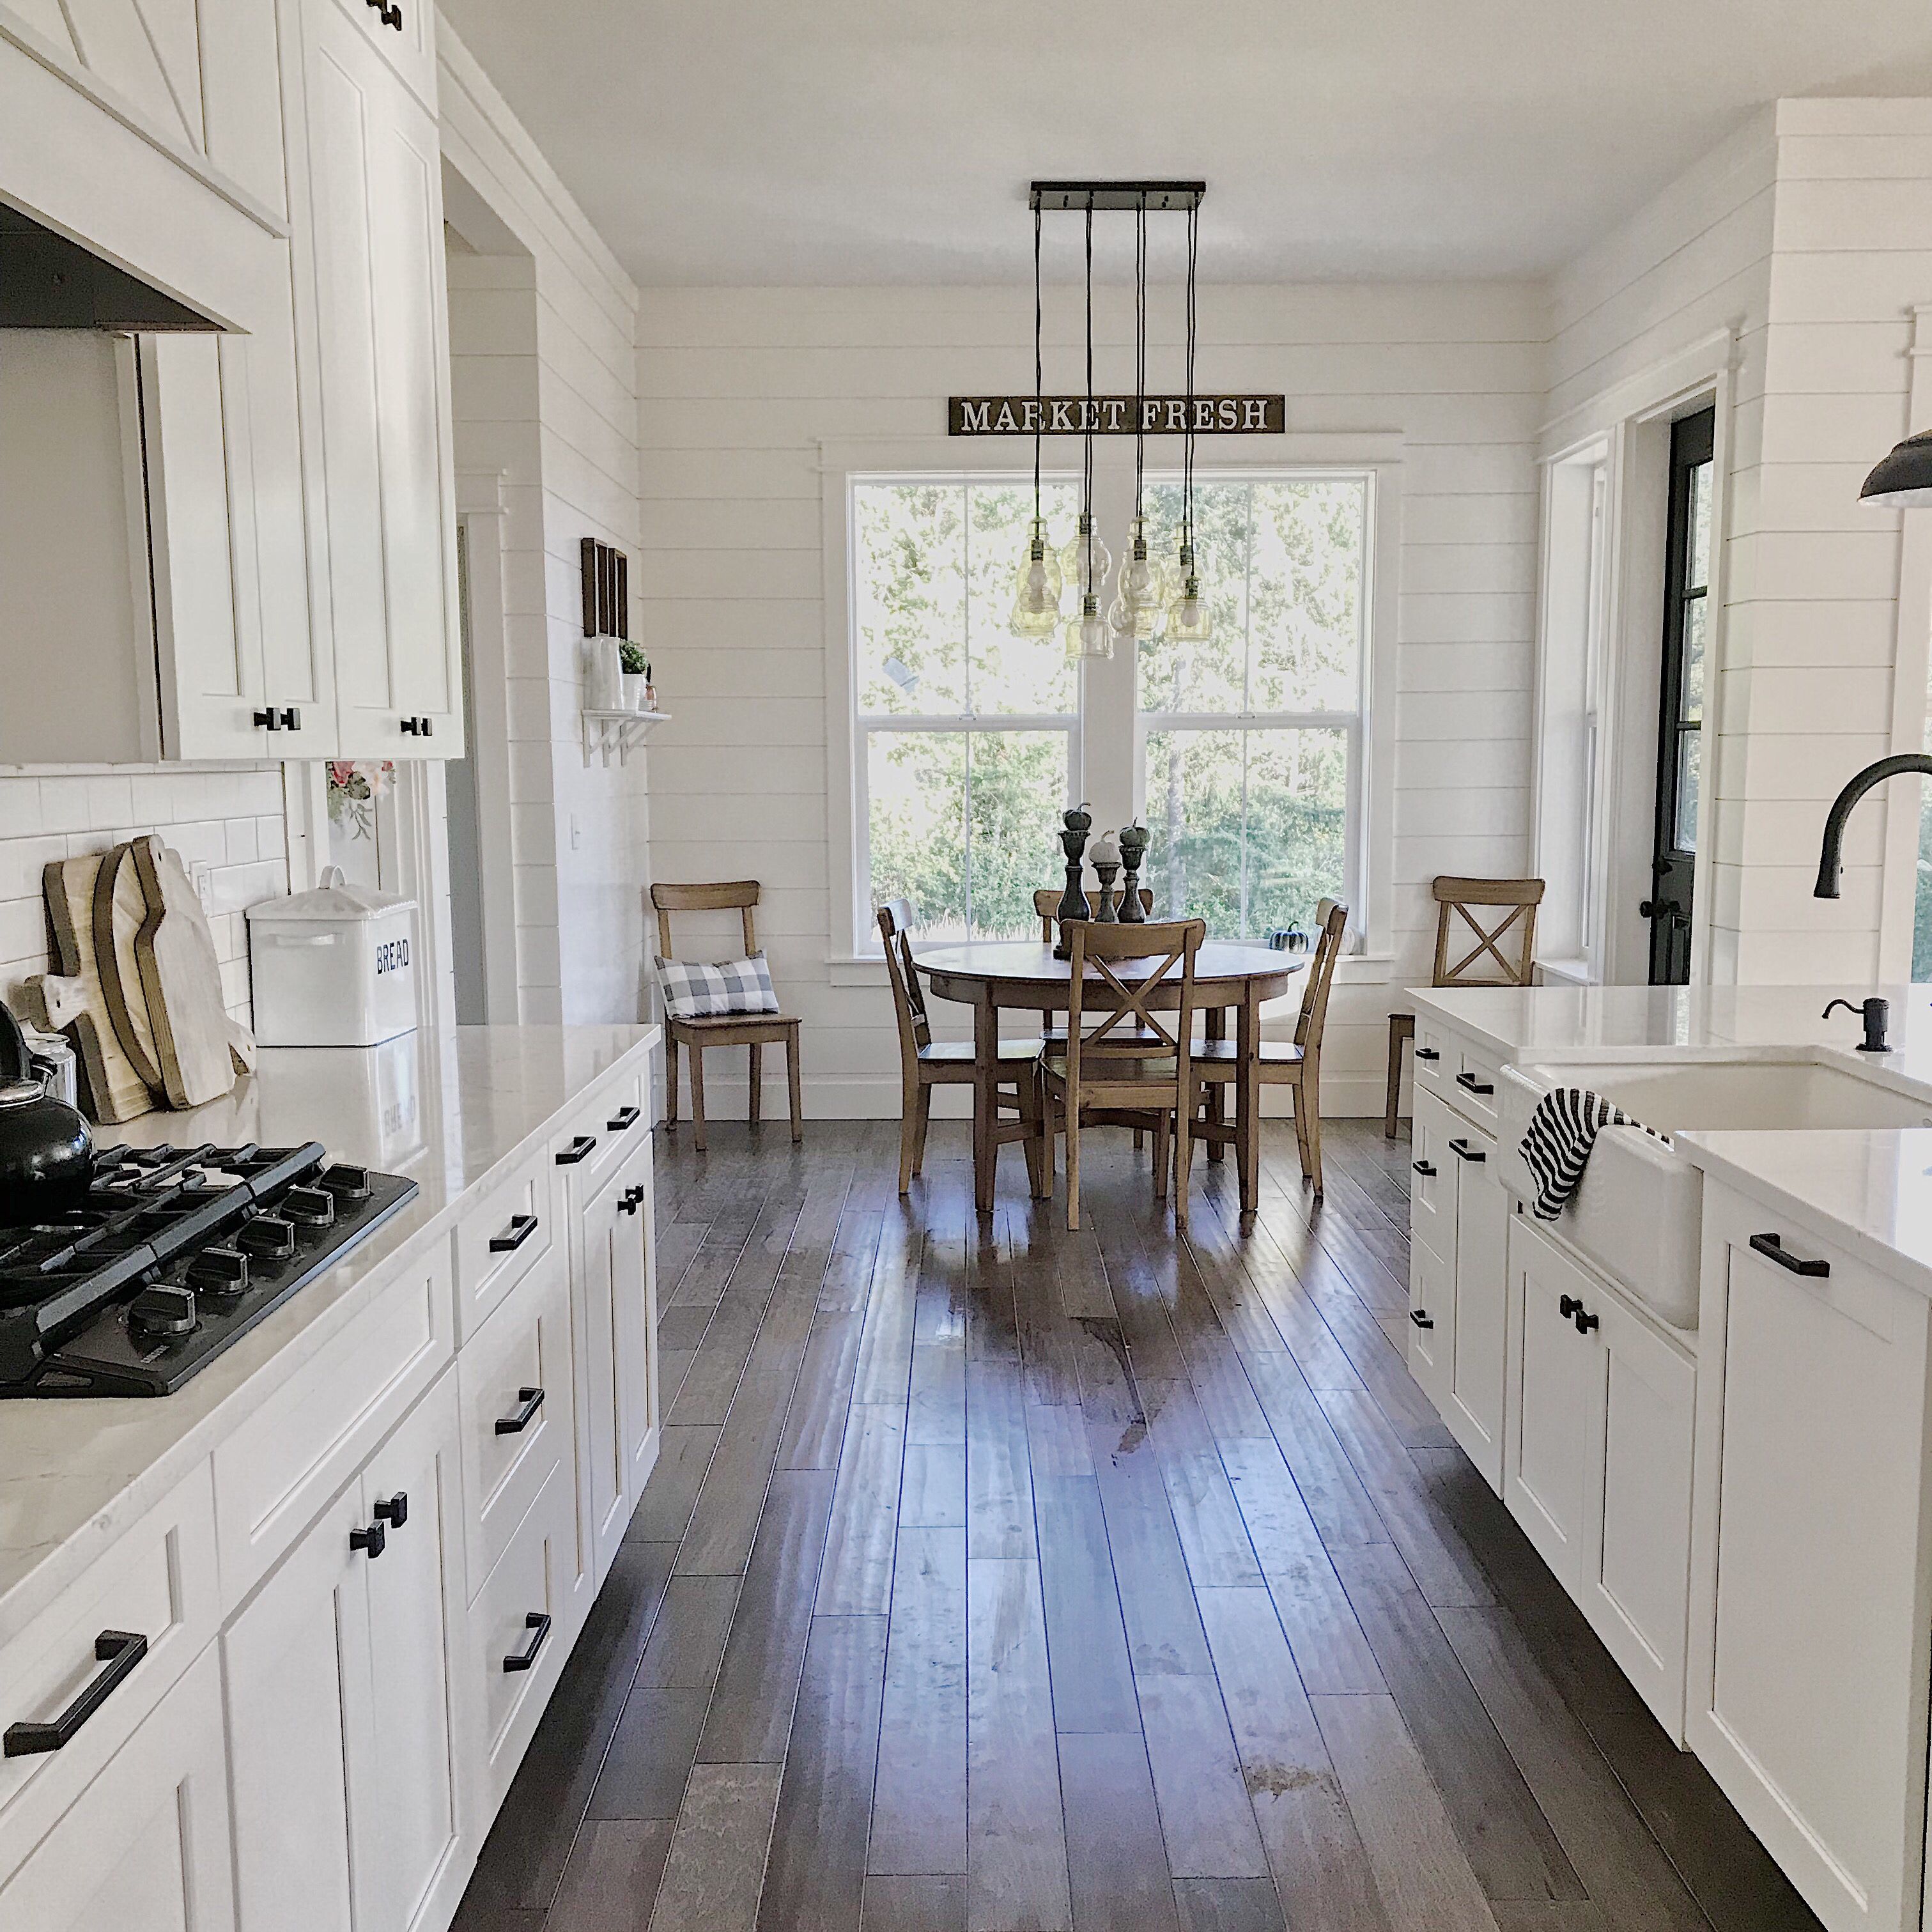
x=1037 y=592
x=1088 y=635
x=1903 y=479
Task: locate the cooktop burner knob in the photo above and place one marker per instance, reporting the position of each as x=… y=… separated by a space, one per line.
x=163 y=1313
x=308 y=1207
x=219 y=1271
x=267 y=1235
x=346 y=1183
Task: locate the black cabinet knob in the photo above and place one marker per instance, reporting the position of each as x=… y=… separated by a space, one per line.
x=630 y=1201
x=291 y=718
x=1585 y=1320
x=371 y=1541
x=1566 y=1305
x=268 y=721
x=409 y=725
x=393 y=1510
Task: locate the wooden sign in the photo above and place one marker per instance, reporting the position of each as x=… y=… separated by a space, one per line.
x=606 y=579
x=1114 y=415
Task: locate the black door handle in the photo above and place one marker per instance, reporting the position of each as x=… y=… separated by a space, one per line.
x=1428 y=1053
x=538 y=1623
x=521 y=1228
x=578 y=1149
x=1426 y=1169
x=373 y=1541
x=531 y=1399
x=1421 y=1317
x=1470 y=1084
x=1462 y=1151
x=1772 y=1247
x=120 y=1651
x=630 y=1201
x=393 y=1510
x=624 y=1118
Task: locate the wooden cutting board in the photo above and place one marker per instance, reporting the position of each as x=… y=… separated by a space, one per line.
x=115 y=1090
x=181 y=974
x=120 y=911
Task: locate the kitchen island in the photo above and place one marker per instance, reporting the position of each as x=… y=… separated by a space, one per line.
x=358 y=1545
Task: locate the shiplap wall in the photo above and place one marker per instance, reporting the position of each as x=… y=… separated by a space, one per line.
x=544 y=370
x=737 y=389
x=1809 y=233
x=227 y=818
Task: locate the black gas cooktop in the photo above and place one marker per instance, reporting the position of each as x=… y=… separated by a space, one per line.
x=178 y=1253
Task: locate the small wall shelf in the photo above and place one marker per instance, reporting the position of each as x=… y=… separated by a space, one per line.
x=605 y=732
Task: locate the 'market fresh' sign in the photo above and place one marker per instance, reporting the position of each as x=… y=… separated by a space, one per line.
x=1114 y=415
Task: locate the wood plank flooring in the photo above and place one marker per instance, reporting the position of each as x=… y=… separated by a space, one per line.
x=995 y=1579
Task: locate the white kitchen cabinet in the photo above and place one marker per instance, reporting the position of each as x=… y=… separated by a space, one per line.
x=375 y=328
x=147 y=1843
x=404 y=33
x=340 y=1676
x=1811 y=1628
x=1459 y=1214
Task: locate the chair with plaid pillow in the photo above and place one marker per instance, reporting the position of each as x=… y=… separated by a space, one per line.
x=730 y=1003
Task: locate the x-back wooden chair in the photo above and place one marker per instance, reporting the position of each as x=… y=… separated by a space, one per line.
x=753 y=1031
x=1134 y=1067
x=926 y=1063
x=1485 y=936
x=1281 y=1063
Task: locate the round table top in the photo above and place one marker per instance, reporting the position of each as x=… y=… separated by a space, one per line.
x=1023 y=973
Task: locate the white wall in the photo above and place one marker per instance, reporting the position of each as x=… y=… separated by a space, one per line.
x=545 y=370
x=738 y=387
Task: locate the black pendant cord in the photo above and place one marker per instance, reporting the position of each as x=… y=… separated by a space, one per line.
x=1140 y=357
x=1039 y=424
x=1087 y=420
x=1187 y=442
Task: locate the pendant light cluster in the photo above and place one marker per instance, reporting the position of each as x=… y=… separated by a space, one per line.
x=1152 y=594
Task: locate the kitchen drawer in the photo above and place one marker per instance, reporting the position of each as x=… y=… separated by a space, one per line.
x=273 y=1473
x=158 y=1582
x=518 y=1391
x=1432 y=1181
x=603 y=1130
x=1472 y=1092
x=501 y=1238
x=1434 y=1055
x=531 y=1580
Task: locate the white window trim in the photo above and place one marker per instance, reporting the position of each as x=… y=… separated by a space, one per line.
x=1376 y=453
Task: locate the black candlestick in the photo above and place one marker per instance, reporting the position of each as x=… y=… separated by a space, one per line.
x=1072 y=901
x=1133 y=850
x=1107 y=871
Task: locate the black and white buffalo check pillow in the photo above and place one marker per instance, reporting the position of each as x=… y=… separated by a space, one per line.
x=695 y=991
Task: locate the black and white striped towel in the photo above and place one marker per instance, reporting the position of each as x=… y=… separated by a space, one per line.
x=1562 y=1131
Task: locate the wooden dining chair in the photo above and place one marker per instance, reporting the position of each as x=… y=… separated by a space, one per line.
x=1499 y=916
x=1281 y=1062
x=753 y=1031
x=1133 y=1067
x=926 y=1063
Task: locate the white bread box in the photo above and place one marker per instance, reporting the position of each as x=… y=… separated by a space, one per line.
x=335 y=967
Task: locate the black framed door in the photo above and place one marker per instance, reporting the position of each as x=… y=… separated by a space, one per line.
x=1680 y=741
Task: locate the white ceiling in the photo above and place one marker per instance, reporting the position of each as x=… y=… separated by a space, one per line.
x=857 y=141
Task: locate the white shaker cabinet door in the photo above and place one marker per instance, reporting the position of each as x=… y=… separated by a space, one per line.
x=637 y=1325
x=376 y=198
x=146 y=1844
x=1478 y=1351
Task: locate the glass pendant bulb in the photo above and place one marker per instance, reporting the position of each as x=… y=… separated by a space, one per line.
x=1036 y=587
x=1073 y=557
x=1088 y=635
x=1143 y=578
x=1188 y=620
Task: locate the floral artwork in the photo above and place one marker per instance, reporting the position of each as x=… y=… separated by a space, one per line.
x=355 y=787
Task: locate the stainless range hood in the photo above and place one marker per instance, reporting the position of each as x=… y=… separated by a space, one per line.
x=49 y=282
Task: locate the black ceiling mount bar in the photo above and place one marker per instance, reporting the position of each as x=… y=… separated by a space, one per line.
x=1114 y=197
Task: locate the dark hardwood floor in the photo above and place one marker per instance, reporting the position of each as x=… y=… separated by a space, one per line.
x=994 y=1579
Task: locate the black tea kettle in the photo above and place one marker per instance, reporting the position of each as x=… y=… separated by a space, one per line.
x=46 y=1151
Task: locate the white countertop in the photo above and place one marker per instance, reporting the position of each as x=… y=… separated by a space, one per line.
x=447 y=1111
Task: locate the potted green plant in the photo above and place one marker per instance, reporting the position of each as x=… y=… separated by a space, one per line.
x=636 y=672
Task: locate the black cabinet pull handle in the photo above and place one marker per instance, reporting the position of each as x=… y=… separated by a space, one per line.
x=1585 y=1320
x=120 y=1651
x=1462 y=1151
x=1472 y=1085
x=1772 y=1247
x=624 y=1118
x=268 y=721
x=521 y=1228
x=1568 y=1306
x=538 y=1623
x=1421 y=1317
x=630 y=1201
x=1426 y=1169
x=394 y=1510
x=531 y=1399
x=1428 y=1053
x=373 y=1541
x=578 y=1149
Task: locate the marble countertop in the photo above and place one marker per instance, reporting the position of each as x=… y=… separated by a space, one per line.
x=448 y=1111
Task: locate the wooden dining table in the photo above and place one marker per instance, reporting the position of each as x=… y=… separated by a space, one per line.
x=990 y=975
